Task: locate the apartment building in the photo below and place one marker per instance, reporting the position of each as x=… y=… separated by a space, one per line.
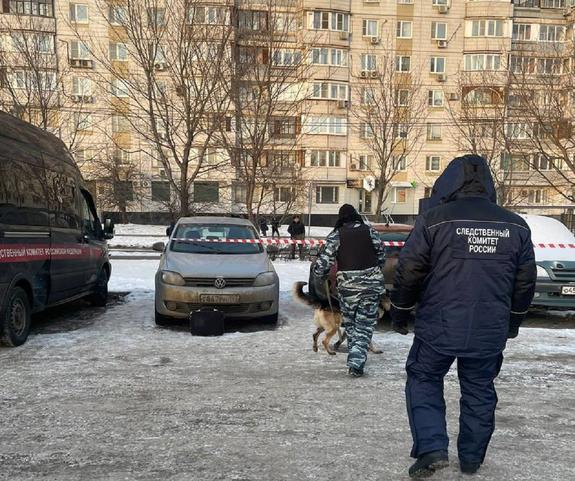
x=442 y=55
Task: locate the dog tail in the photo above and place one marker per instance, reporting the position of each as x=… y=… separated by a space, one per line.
x=301 y=296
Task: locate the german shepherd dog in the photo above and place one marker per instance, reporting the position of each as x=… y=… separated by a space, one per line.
x=327 y=319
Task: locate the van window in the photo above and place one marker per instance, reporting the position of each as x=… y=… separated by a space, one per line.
x=88 y=219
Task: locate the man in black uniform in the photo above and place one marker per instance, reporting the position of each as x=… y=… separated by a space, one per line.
x=360 y=257
x=470 y=268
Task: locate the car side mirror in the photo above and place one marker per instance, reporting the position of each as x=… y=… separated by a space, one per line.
x=159 y=246
x=108 y=229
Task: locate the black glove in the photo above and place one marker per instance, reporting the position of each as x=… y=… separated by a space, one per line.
x=400 y=319
x=515 y=321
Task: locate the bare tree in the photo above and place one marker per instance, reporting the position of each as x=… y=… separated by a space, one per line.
x=164 y=72
x=34 y=76
x=268 y=99
x=390 y=116
x=542 y=87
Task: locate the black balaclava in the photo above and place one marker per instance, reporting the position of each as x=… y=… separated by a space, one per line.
x=347 y=213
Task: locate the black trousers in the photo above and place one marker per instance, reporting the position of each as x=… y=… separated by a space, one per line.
x=426 y=370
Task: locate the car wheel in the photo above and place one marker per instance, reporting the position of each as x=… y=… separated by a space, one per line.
x=270 y=320
x=162 y=320
x=99 y=297
x=15 y=318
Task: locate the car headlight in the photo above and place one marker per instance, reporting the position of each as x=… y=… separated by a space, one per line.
x=265 y=279
x=542 y=273
x=173 y=278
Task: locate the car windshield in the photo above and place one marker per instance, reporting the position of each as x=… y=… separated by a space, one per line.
x=215 y=239
x=392 y=251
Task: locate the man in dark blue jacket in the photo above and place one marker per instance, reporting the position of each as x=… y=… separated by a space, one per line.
x=470 y=268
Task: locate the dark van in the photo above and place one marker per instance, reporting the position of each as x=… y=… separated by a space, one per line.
x=52 y=244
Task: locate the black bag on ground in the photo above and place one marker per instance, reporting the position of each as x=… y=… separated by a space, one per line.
x=207 y=322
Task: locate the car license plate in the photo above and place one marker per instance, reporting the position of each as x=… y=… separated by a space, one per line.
x=219 y=298
x=568 y=290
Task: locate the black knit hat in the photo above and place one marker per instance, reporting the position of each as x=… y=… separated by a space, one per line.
x=347 y=213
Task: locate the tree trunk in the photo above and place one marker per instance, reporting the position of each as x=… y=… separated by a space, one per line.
x=184 y=196
x=380 y=191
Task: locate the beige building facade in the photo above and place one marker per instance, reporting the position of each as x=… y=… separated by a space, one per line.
x=444 y=49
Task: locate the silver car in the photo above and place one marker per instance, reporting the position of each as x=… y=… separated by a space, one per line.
x=215 y=262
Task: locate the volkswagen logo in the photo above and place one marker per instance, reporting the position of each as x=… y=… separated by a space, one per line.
x=220 y=283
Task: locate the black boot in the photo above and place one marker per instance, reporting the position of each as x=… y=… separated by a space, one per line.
x=428 y=463
x=355 y=372
x=469 y=468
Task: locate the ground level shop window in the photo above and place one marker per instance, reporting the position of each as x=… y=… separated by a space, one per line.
x=325 y=194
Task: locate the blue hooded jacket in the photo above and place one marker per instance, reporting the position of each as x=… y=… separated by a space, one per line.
x=468 y=264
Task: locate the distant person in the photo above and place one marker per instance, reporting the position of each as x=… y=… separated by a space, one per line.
x=468 y=269
x=264 y=226
x=170 y=228
x=275 y=226
x=296 y=230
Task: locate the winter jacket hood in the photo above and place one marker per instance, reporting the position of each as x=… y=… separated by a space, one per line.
x=468 y=175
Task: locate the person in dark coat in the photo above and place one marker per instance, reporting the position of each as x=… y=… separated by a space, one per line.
x=275 y=227
x=360 y=259
x=264 y=226
x=469 y=269
x=297 y=232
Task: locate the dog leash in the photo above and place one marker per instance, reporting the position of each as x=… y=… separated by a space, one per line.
x=328 y=293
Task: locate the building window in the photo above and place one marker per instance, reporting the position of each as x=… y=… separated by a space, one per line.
x=41 y=8
x=79 y=51
x=161 y=191
x=402 y=97
x=325 y=158
x=365 y=201
x=117 y=15
x=366 y=130
x=433 y=132
x=286 y=57
x=284 y=127
x=435 y=98
x=124 y=191
x=370 y=28
x=399 y=195
x=365 y=162
x=549 y=66
x=239 y=193
x=322 y=20
x=551 y=33
x=404 y=29
x=81 y=86
x=156 y=17
x=514 y=162
x=542 y=162
x=553 y=3
x=487 y=28
x=325 y=194
x=208 y=15
x=120 y=124
x=368 y=62
x=438 y=31
x=285 y=22
x=255 y=20
x=522 y=31
x=400 y=163
x=206 y=192
x=284 y=194
x=437 y=65
x=403 y=63
x=330 y=91
x=120 y=88
x=329 y=56
x=367 y=96
x=79 y=13
x=432 y=163
x=482 y=61
x=326 y=125
x=82 y=121
x=118 y=51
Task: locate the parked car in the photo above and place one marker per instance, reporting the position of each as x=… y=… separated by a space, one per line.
x=387 y=232
x=201 y=268
x=52 y=244
x=555 y=266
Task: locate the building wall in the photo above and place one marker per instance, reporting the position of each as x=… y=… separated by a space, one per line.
x=407 y=186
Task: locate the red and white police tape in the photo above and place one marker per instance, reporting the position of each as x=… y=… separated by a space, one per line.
x=320 y=242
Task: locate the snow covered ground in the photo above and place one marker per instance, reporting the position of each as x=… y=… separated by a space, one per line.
x=102 y=394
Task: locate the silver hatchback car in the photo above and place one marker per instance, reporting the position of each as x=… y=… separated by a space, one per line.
x=215 y=262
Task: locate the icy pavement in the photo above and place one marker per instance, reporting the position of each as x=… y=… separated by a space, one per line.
x=115 y=398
